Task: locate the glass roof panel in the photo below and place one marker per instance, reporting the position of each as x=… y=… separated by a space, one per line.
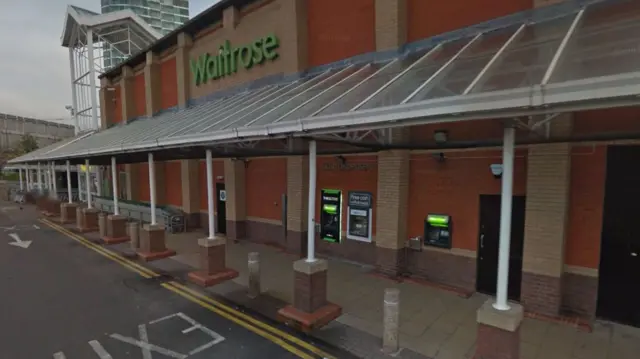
x=525 y=62
x=605 y=43
x=404 y=86
x=367 y=88
x=305 y=96
x=331 y=94
x=460 y=74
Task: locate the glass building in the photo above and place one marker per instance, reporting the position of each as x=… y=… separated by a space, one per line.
x=163 y=15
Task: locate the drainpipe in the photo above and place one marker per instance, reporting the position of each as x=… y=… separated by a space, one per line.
x=114 y=180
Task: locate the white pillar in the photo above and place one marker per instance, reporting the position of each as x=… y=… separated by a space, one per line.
x=79 y=173
x=20 y=175
x=39 y=174
x=87 y=179
x=28 y=179
x=69 y=182
x=54 y=185
x=114 y=180
x=505 y=219
x=152 y=189
x=74 y=99
x=311 y=233
x=99 y=180
x=92 y=80
x=212 y=226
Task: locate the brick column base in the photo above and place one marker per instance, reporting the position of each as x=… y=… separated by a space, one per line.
x=310 y=309
x=116 y=230
x=53 y=208
x=498 y=332
x=88 y=220
x=213 y=268
x=68 y=212
x=42 y=204
x=541 y=293
x=152 y=245
x=389 y=262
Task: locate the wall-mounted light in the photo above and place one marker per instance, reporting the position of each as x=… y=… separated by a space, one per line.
x=439 y=157
x=342 y=159
x=496 y=170
x=440 y=136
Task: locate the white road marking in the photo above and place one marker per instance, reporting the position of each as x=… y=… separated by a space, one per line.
x=99 y=349
x=59 y=355
x=216 y=338
x=18 y=242
x=142 y=331
x=155 y=348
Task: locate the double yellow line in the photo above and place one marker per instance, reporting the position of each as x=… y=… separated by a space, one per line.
x=287 y=341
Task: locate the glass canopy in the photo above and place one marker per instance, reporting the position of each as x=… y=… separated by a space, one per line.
x=587 y=54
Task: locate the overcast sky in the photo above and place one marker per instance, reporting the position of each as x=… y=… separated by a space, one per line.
x=34 y=67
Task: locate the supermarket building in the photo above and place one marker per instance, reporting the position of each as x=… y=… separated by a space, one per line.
x=411 y=105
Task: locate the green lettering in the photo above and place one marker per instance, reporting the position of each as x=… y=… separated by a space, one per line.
x=235 y=57
x=198 y=69
x=258 y=56
x=228 y=59
x=212 y=70
x=269 y=46
x=245 y=56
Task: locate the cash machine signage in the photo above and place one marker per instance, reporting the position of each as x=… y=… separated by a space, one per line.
x=331 y=215
x=359 y=216
x=437 y=230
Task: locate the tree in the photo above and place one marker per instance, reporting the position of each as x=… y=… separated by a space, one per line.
x=27 y=144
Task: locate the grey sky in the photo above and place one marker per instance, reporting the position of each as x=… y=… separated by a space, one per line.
x=34 y=67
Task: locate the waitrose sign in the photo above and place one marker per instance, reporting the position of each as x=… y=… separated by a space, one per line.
x=229 y=58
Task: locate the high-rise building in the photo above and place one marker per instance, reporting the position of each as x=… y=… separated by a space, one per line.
x=163 y=15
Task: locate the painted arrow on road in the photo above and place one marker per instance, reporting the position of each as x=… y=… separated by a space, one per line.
x=18 y=242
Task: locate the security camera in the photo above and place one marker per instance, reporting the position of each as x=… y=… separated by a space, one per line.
x=496 y=170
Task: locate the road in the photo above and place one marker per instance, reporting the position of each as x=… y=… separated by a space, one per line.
x=62 y=299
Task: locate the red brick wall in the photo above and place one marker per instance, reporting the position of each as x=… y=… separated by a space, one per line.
x=173 y=183
x=139 y=99
x=169 y=81
x=338 y=29
x=588 y=174
x=610 y=120
x=454 y=187
x=427 y=18
x=218 y=170
x=266 y=181
x=117 y=104
x=348 y=181
x=143 y=182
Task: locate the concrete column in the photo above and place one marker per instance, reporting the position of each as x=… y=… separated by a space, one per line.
x=548 y=189
x=391 y=211
x=183 y=72
x=391 y=24
x=391 y=321
x=234 y=179
x=107 y=106
x=152 y=83
x=254 y=274
x=191 y=191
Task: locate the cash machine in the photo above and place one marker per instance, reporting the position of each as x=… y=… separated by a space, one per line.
x=437 y=230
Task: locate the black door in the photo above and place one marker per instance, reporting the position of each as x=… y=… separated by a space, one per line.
x=619 y=275
x=488 y=244
x=221 y=205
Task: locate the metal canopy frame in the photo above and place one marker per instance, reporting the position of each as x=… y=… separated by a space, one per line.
x=567 y=62
x=97 y=42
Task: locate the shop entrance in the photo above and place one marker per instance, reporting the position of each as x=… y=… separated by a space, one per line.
x=488 y=244
x=221 y=206
x=618 y=298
